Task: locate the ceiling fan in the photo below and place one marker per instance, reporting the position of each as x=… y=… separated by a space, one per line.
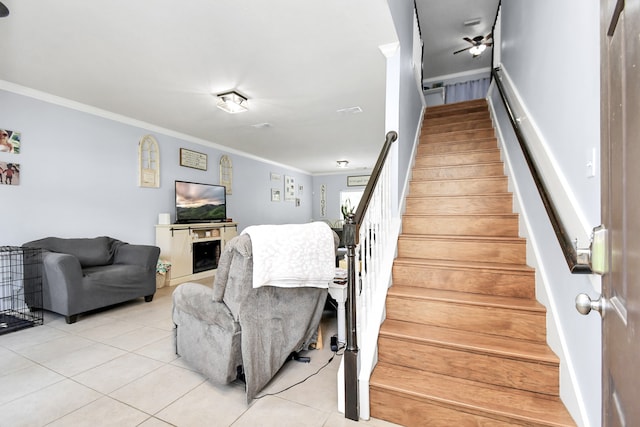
x=3 y=10
x=478 y=44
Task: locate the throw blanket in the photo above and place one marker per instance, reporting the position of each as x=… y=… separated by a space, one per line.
x=292 y=255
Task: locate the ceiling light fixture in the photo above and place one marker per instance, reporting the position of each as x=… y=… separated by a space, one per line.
x=342 y=163
x=477 y=50
x=232 y=102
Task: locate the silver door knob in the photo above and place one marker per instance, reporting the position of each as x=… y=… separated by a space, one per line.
x=584 y=304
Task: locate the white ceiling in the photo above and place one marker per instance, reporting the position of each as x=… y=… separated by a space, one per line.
x=298 y=62
x=442 y=26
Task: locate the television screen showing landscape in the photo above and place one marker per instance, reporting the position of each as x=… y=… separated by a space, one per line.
x=200 y=202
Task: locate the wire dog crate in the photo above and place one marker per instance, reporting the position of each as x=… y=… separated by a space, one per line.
x=20 y=288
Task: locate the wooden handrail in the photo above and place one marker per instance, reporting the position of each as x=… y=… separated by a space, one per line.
x=351 y=232
x=571 y=253
x=391 y=137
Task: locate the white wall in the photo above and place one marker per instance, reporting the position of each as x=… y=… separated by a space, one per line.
x=78 y=176
x=555 y=83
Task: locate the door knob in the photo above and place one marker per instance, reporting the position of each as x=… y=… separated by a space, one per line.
x=584 y=304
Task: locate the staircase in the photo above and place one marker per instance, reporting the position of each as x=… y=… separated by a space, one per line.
x=464 y=340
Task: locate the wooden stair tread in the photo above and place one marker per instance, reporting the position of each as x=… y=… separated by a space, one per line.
x=434 y=144
x=453 y=126
x=440 y=119
x=458 y=107
x=521 y=304
x=502 y=403
x=463 y=196
x=483 y=266
x=458 y=135
x=458 y=153
x=469 y=341
x=478 y=239
x=487 y=126
x=495 y=168
x=470 y=215
x=458 y=180
x=497 y=162
x=461 y=116
x=474 y=135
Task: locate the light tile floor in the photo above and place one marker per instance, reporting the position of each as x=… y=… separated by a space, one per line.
x=118 y=367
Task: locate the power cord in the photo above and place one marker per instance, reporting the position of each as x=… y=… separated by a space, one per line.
x=335 y=353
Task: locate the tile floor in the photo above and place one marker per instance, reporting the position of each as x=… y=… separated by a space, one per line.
x=118 y=367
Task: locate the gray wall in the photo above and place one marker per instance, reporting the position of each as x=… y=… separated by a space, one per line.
x=79 y=177
x=411 y=100
x=556 y=83
x=558 y=78
x=334 y=184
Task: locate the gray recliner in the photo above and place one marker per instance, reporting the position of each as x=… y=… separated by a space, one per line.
x=234 y=328
x=81 y=275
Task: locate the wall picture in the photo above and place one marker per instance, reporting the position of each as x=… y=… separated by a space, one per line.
x=9 y=173
x=9 y=141
x=289 y=188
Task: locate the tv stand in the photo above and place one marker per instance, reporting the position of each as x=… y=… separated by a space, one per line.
x=193 y=249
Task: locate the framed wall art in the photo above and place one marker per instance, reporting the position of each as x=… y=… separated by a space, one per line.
x=9 y=141
x=289 y=189
x=9 y=173
x=358 y=180
x=193 y=159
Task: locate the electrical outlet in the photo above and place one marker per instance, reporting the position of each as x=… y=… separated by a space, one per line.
x=334 y=343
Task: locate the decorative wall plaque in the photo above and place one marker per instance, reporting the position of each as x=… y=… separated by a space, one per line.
x=226 y=173
x=193 y=159
x=358 y=181
x=148 y=162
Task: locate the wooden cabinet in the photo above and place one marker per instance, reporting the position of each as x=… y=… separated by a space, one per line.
x=193 y=249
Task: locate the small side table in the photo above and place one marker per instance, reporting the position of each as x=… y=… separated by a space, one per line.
x=338 y=292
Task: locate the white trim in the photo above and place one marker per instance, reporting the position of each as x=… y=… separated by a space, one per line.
x=78 y=106
x=389 y=49
x=361 y=171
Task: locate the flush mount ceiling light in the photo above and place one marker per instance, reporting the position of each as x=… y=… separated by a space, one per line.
x=232 y=102
x=342 y=163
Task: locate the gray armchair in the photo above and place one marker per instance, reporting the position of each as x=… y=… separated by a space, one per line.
x=80 y=275
x=234 y=328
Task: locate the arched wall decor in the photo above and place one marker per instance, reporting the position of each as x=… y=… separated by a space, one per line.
x=148 y=162
x=226 y=173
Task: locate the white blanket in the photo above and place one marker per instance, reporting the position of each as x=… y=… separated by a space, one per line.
x=292 y=255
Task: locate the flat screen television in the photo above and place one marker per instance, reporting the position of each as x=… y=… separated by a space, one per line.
x=197 y=202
